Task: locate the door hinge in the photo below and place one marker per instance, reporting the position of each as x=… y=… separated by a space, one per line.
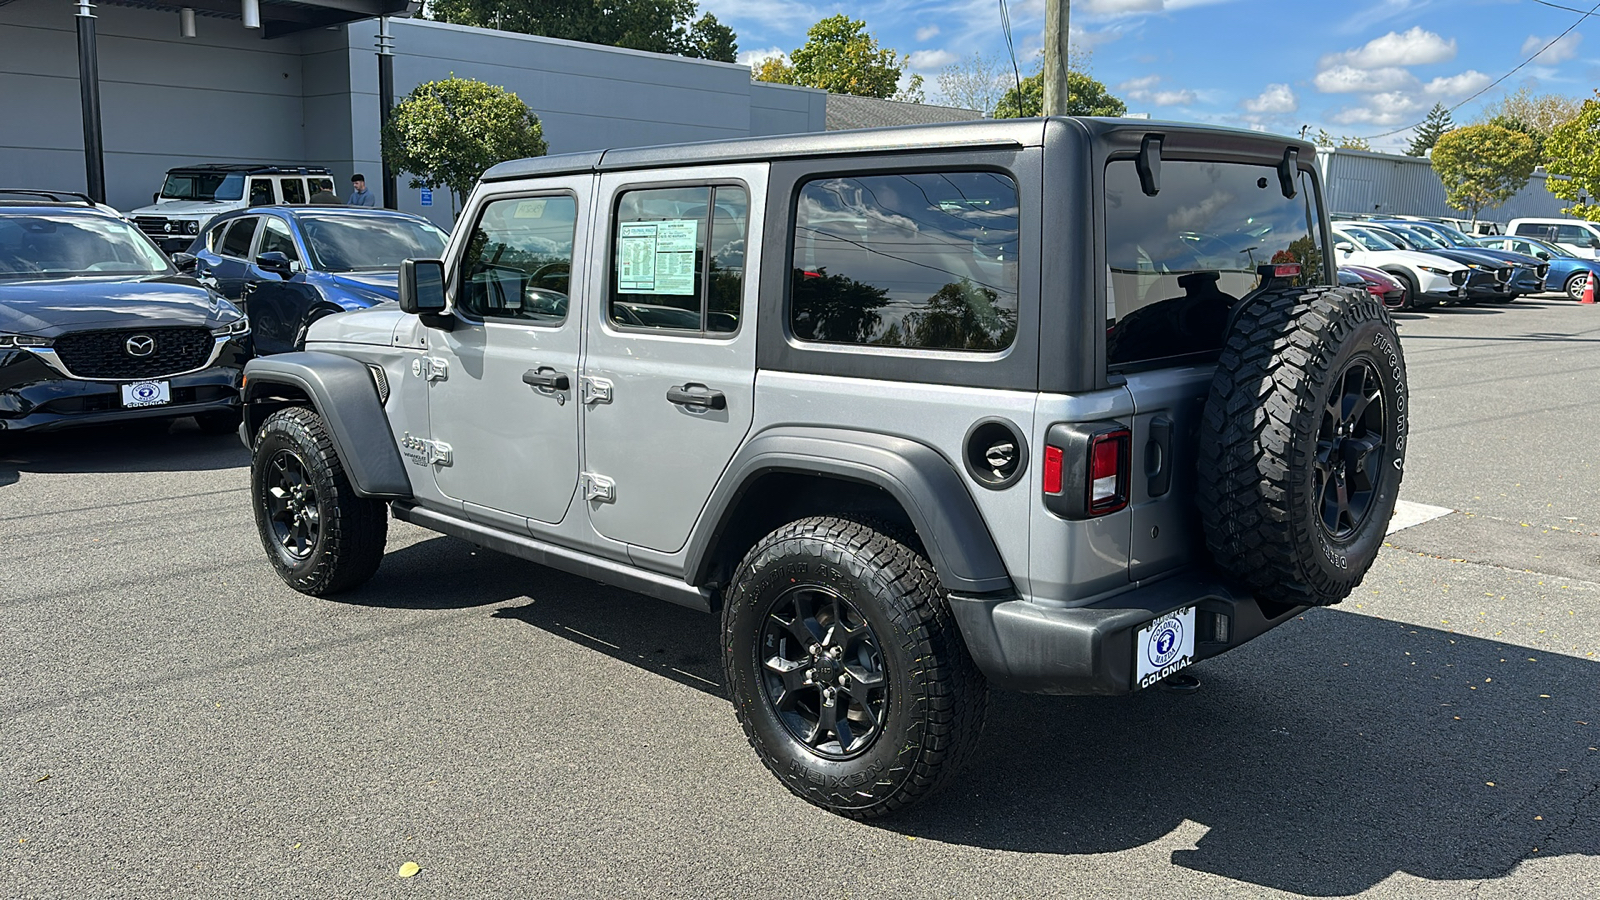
x=431 y=368
x=599 y=488
x=596 y=390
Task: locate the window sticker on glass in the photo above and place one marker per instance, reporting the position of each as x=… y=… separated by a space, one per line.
x=657 y=257
x=529 y=209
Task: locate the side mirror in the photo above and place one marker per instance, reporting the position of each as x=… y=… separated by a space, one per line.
x=276 y=262
x=422 y=291
x=186 y=262
x=1345 y=247
x=1542 y=255
x=156 y=197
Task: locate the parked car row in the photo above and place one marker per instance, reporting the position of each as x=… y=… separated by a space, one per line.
x=97 y=324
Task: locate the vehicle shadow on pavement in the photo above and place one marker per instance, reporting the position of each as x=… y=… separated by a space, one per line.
x=446 y=573
x=132 y=447
x=1322 y=759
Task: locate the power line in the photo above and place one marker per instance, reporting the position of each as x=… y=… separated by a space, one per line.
x=1005 y=24
x=1567 y=8
x=1514 y=71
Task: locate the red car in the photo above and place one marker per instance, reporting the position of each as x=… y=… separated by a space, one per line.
x=1382 y=285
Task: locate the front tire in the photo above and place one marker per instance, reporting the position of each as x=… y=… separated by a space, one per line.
x=847 y=670
x=1574 y=286
x=321 y=537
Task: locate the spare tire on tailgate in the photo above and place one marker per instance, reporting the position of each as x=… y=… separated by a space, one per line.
x=1303 y=443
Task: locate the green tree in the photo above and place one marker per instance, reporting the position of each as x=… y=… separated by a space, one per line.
x=841 y=56
x=1085 y=97
x=1349 y=142
x=1437 y=123
x=1573 y=150
x=447 y=133
x=1483 y=166
x=659 y=26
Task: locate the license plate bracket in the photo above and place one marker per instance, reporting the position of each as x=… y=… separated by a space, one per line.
x=1162 y=647
x=146 y=393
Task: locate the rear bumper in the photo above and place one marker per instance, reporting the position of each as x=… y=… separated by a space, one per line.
x=1026 y=646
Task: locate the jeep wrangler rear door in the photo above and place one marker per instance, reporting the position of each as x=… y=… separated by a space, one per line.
x=502 y=394
x=668 y=380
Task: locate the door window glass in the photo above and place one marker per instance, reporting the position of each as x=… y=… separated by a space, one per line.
x=294 y=190
x=925 y=260
x=679 y=261
x=518 y=262
x=214 y=237
x=261 y=192
x=318 y=185
x=237 y=241
x=275 y=236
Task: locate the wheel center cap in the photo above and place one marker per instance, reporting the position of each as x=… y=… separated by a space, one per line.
x=827 y=669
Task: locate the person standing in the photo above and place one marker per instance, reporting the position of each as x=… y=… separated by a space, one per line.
x=359 y=196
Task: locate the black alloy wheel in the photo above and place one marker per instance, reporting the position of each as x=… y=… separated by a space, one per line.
x=292 y=509
x=823 y=671
x=1350 y=449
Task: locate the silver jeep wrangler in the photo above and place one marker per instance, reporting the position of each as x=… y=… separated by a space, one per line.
x=1057 y=405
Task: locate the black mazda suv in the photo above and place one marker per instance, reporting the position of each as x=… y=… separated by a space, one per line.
x=97 y=325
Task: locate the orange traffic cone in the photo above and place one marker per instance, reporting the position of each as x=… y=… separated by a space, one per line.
x=1588 y=290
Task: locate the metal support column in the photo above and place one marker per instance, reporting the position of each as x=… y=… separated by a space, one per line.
x=94 y=162
x=391 y=193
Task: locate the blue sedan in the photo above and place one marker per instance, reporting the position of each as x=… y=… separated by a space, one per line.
x=289 y=266
x=1568 y=273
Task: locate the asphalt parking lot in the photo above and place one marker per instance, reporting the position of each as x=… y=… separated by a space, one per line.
x=178 y=723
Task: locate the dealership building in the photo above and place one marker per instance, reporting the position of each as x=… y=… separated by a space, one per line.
x=273 y=81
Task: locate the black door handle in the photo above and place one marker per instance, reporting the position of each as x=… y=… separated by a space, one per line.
x=546 y=377
x=697 y=395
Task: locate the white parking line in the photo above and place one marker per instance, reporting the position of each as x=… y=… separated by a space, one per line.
x=1407 y=514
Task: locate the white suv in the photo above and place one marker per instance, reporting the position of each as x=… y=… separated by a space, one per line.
x=193 y=195
x=1575 y=236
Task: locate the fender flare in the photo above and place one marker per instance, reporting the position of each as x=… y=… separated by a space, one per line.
x=342 y=391
x=924 y=483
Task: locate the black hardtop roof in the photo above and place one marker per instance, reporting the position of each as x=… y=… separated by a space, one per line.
x=252 y=169
x=978 y=134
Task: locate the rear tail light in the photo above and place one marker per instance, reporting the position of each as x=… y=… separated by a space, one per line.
x=1108 y=471
x=1087 y=469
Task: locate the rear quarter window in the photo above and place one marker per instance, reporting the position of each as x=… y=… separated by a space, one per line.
x=923 y=260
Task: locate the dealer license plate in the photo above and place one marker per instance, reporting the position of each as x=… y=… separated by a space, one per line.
x=146 y=393
x=1163 y=647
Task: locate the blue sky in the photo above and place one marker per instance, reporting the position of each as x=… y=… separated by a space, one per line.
x=1357 y=67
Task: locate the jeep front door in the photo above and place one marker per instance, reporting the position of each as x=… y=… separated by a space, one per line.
x=669 y=363
x=502 y=395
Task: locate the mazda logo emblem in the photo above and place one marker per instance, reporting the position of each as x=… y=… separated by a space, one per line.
x=140 y=345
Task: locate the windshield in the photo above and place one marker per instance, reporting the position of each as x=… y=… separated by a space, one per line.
x=1192 y=250
x=53 y=246
x=1454 y=235
x=1408 y=239
x=203 y=186
x=352 y=243
x=1368 y=239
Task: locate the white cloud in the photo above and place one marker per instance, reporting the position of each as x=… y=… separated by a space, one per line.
x=1409 y=48
x=1122 y=7
x=925 y=60
x=1276 y=100
x=757 y=57
x=1172 y=98
x=1460 y=85
x=927 y=33
x=1140 y=84
x=1386 y=109
x=1342 y=79
x=1559 y=52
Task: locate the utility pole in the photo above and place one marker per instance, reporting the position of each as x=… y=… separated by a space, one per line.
x=391 y=192
x=94 y=156
x=1056 y=13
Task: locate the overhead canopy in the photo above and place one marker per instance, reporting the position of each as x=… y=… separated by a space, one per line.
x=281 y=17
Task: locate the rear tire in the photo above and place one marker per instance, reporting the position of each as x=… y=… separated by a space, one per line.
x=847 y=670
x=320 y=536
x=1303 y=443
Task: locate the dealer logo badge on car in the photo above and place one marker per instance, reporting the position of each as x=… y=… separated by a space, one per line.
x=140 y=345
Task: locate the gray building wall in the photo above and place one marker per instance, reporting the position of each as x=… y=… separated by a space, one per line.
x=1363 y=183
x=312 y=98
x=227 y=96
